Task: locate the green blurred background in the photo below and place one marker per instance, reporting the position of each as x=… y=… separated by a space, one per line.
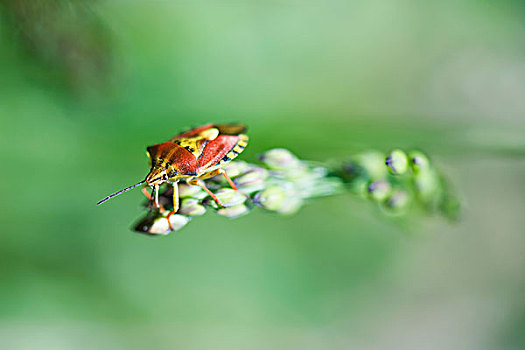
x=86 y=86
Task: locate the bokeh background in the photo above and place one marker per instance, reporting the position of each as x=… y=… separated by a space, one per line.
x=85 y=86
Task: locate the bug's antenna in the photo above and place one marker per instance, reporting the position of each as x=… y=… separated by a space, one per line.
x=120 y=192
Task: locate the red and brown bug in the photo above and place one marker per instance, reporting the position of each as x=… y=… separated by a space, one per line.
x=192 y=156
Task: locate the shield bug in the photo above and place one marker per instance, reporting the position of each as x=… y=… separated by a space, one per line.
x=191 y=156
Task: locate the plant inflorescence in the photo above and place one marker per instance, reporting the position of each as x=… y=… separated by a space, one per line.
x=398 y=183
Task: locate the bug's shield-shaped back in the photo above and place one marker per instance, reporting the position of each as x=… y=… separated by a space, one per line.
x=195 y=140
x=221 y=150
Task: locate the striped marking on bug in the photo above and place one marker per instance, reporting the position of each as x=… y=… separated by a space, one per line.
x=236 y=150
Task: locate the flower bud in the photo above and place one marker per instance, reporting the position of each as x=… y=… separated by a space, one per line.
x=397 y=202
x=186 y=190
x=297 y=174
x=279 y=159
x=156 y=224
x=426 y=184
x=160 y=227
x=233 y=211
x=252 y=181
x=236 y=168
x=191 y=207
x=397 y=162
x=178 y=221
x=255 y=187
x=228 y=198
x=291 y=205
x=419 y=162
x=450 y=206
x=373 y=163
x=271 y=198
x=379 y=190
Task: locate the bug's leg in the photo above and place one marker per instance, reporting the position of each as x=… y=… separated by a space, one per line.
x=200 y=183
x=223 y=173
x=175 y=203
x=175 y=197
x=150 y=198
x=157 y=196
x=146 y=193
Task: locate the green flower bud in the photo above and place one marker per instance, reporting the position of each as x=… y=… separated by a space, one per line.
x=291 y=205
x=186 y=190
x=178 y=221
x=418 y=161
x=160 y=227
x=298 y=173
x=379 y=190
x=373 y=163
x=236 y=168
x=279 y=159
x=228 y=198
x=191 y=207
x=450 y=206
x=397 y=202
x=426 y=184
x=255 y=187
x=397 y=162
x=157 y=224
x=252 y=181
x=234 y=211
x=272 y=198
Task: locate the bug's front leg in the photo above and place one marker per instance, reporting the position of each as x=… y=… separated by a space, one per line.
x=154 y=199
x=175 y=198
x=157 y=196
x=146 y=193
x=175 y=203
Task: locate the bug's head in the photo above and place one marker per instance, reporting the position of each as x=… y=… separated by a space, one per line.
x=157 y=176
x=169 y=162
